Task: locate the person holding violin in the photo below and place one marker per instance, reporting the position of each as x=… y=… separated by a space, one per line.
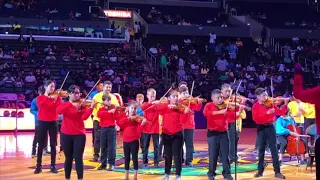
x=140 y=100
x=73 y=133
x=312 y=96
x=283 y=132
x=232 y=115
x=107 y=88
x=172 y=132
x=218 y=139
x=264 y=114
x=131 y=125
x=47 y=116
x=108 y=134
x=34 y=111
x=188 y=121
x=151 y=129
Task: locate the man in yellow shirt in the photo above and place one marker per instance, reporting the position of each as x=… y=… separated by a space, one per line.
x=297 y=109
x=107 y=88
x=242 y=116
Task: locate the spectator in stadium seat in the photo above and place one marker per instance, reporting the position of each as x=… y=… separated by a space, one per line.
x=19 y=82
x=98 y=32
x=89 y=32
x=8 y=78
x=30 y=39
x=222 y=64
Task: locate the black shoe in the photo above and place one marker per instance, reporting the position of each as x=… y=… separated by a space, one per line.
x=53 y=169
x=102 y=167
x=257 y=175
x=280 y=176
x=228 y=178
x=95 y=158
x=38 y=170
x=156 y=165
x=110 y=168
x=189 y=164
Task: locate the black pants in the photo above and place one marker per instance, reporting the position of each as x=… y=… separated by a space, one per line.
x=233 y=136
x=188 y=140
x=35 y=141
x=218 y=142
x=257 y=144
x=267 y=134
x=146 y=143
x=43 y=129
x=317 y=152
x=73 y=148
x=59 y=130
x=108 y=145
x=172 y=148
x=131 y=148
x=141 y=143
x=96 y=144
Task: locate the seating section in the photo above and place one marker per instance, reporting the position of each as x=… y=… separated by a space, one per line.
x=176 y=14
x=53 y=9
x=87 y=62
x=279 y=15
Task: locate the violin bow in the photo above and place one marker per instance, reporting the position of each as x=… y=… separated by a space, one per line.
x=192 y=87
x=271 y=89
x=91 y=90
x=65 y=78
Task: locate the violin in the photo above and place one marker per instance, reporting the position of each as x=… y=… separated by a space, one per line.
x=60 y=93
x=120 y=109
x=84 y=102
x=222 y=106
x=193 y=100
x=240 y=99
x=136 y=118
x=274 y=101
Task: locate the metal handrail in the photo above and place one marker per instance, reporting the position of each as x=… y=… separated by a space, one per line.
x=306 y=62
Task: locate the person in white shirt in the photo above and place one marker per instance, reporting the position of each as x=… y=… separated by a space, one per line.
x=187 y=42
x=30 y=78
x=109 y=71
x=250 y=67
x=181 y=63
x=174 y=47
x=222 y=64
x=281 y=67
x=153 y=50
x=89 y=82
x=213 y=38
x=262 y=77
x=181 y=73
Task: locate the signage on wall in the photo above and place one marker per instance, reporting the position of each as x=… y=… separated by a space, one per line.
x=118 y=14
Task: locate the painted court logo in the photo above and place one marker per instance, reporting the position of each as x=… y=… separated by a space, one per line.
x=247 y=162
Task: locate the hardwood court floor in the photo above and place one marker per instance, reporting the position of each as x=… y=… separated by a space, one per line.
x=15 y=160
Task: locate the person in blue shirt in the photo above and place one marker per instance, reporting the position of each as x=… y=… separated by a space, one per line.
x=34 y=110
x=283 y=132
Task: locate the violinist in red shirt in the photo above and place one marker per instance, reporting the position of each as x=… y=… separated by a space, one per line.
x=188 y=123
x=151 y=129
x=172 y=132
x=108 y=133
x=73 y=133
x=131 y=125
x=48 y=117
x=218 y=140
x=264 y=117
x=231 y=118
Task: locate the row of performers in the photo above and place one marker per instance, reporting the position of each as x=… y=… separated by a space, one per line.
x=177 y=128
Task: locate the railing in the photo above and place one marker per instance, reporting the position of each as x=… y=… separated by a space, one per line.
x=166 y=75
x=307 y=64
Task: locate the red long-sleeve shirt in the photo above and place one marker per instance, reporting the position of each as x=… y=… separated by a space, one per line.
x=171 y=119
x=152 y=115
x=47 y=108
x=107 y=119
x=308 y=95
x=188 y=118
x=73 y=119
x=216 y=122
x=131 y=129
x=231 y=115
x=260 y=116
